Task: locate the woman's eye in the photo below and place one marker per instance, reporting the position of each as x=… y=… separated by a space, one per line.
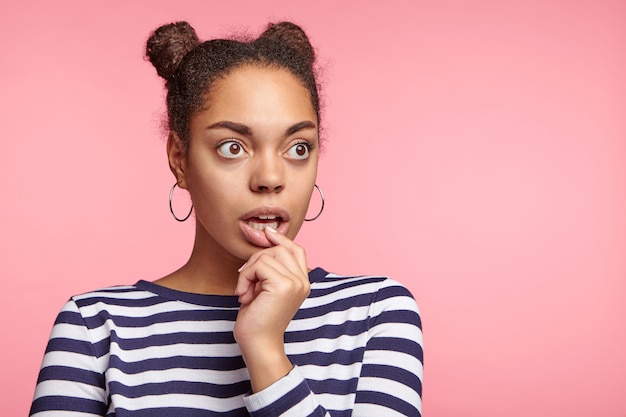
x=299 y=151
x=231 y=149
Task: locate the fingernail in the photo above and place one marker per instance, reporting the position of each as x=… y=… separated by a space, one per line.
x=270 y=229
x=242 y=267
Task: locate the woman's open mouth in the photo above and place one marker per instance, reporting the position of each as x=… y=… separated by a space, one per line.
x=254 y=223
x=263 y=221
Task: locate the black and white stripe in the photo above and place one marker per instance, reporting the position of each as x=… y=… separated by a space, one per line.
x=146 y=350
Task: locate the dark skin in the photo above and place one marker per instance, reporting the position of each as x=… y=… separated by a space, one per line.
x=250 y=168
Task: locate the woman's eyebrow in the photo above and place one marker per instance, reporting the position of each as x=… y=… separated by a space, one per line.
x=307 y=124
x=235 y=127
x=245 y=130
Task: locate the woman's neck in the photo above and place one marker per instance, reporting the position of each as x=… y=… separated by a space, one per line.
x=208 y=271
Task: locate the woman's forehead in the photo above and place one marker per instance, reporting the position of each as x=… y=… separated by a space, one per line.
x=259 y=96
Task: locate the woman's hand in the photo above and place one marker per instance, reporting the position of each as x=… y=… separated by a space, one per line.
x=271 y=287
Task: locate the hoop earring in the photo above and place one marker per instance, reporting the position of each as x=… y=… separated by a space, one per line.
x=319 y=190
x=172 y=210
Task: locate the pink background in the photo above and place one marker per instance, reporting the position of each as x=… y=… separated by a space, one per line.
x=476 y=152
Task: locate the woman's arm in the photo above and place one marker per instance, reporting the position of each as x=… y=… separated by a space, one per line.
x=70 y=379
x=390 y=381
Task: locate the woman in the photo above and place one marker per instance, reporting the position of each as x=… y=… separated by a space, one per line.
x=243 y=140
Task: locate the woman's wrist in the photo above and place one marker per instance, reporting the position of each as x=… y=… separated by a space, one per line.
x=266 y=365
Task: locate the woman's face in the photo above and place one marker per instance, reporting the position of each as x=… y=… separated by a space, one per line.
x=251 y=161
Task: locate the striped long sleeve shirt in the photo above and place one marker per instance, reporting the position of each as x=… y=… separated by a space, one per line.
x=146 y=350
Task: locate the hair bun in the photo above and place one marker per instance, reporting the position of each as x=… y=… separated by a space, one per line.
x=291 y=35
x=167 y=46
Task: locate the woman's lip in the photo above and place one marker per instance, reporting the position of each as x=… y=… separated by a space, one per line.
x=266 y=211
x=257 y=237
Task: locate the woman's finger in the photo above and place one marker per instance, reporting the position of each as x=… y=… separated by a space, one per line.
x=296 y=250
x=293 y=255
x=272 y=276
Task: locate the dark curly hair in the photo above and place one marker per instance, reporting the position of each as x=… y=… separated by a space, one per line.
x=190 y=67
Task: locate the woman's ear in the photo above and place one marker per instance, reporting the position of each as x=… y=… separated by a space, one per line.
x=177 y=157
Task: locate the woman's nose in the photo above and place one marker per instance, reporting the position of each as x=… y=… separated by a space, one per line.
x=268 y=174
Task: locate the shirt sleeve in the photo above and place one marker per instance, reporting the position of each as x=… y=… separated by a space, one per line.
x=70 y=381
x=390 y=382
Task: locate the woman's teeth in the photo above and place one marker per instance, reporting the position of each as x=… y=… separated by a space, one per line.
x=263 y=224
